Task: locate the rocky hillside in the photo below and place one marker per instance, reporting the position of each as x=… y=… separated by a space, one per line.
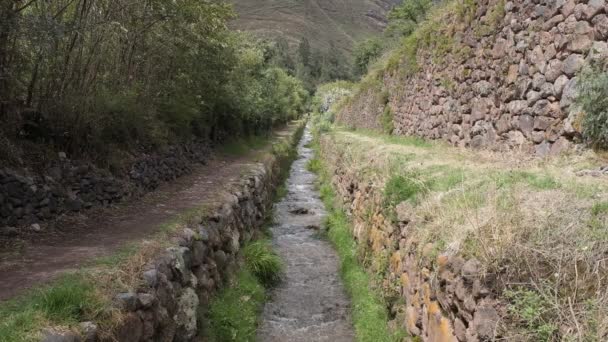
x=488 y=73
x=342 y=22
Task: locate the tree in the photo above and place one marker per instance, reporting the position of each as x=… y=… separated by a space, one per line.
x=364 y=53
x=304 y=52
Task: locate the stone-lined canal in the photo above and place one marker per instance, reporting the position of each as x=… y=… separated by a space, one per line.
x=311 y=303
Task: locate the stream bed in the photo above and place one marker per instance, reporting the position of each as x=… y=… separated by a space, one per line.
x=311 y=303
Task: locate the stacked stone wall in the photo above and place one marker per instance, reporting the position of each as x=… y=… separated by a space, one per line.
x=510 y=88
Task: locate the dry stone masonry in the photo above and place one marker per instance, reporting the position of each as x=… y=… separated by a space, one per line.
x=177 y=284
x=70 y=186
x=512 y=87
x=435 y=297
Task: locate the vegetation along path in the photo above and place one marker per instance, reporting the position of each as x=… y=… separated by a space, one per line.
x=311 y=303
x=81 y=241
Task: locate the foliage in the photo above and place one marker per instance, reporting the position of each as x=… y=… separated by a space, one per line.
x=593 y=100
x=364 y=53
x=404 y=18
x=263 y=263
x=88 y=77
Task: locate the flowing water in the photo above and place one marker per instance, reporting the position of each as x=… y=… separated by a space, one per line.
x=310 y=304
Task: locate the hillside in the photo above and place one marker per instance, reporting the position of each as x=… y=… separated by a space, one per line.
x=340 y=21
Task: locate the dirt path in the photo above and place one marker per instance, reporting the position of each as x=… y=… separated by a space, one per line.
x=311 y=304
x=79 y=240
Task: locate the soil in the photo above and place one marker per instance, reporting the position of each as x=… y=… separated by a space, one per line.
x=75 y=240
x=311 y=303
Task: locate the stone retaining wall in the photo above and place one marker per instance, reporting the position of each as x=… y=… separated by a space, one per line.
x=69 y=186
x=179 y=283
x=437 y=298
x=511 y=86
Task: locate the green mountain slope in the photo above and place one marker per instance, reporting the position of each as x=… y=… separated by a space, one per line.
x=342 y=22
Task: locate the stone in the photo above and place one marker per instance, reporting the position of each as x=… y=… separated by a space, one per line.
x=580 y=43
x=130 y=329
x=593 y=7
x=128 y=301
x=62 y=155
x=185 y=318
x=542 y=149
x=568 y=8
x=600 y=27
x=35 y=227
x=460 y=330
x=562 y=144
x=89 y=331
x=526 y=123
x=151 y=278
x=517 y=107
x=598 y=52
x=485 y=322
x=569 y=93
x=554 y=70
x=572 y=64
x=541 y=123
x=559 y=84
x=471 y=269
x=146 y=300
x=61 y=337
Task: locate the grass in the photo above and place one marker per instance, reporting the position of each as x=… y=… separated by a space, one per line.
x=403 y=187
x=233 y=312
x=369 y=313
x=68 y=301
x=263 y=263
x=528 y=221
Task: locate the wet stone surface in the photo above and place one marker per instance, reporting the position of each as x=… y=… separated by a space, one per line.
x=310 y=304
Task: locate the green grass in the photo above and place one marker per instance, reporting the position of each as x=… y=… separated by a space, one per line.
x=233 y=313
x=538 y=181
x=369 y=313
x=403 y=187
x=263 y=263
x=69 y=300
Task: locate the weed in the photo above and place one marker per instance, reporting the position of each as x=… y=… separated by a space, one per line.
x=263 y=263
x=69 y=300
x=386 y=119
x=403 y=187
x=233 y=313
x=541 y=182
x=599 y=208
x=530 y=308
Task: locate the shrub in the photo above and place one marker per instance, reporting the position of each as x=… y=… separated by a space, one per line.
x=593 y=99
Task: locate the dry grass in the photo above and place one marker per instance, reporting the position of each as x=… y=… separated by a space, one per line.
x=533 y=224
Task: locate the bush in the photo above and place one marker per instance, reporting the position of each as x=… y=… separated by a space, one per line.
x=593 y=100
